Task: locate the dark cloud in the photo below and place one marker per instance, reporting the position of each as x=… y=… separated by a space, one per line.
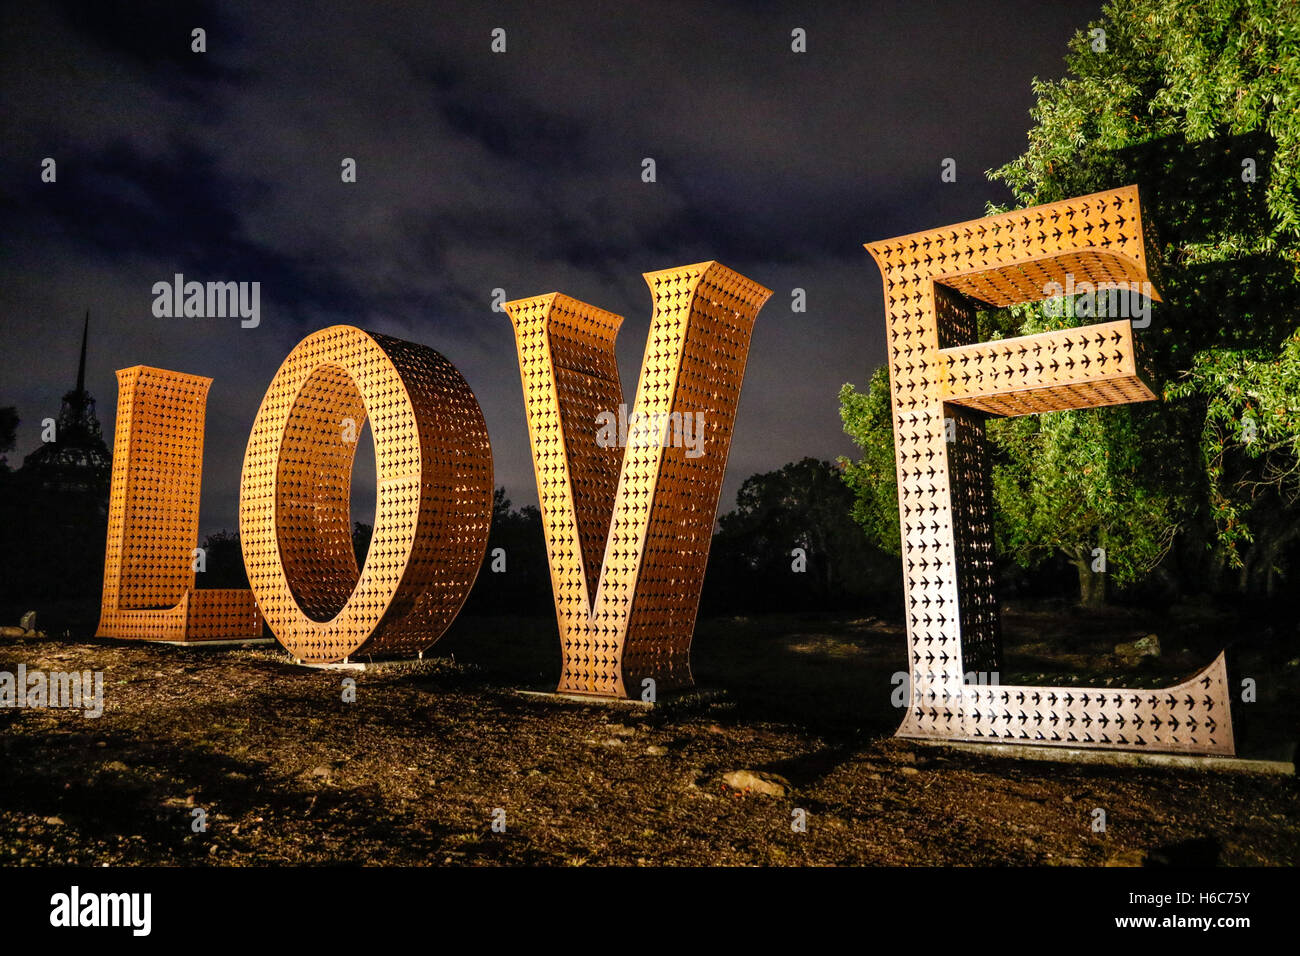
x=478 y=171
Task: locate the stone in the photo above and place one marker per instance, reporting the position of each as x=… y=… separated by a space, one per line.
x=28 y=621
x=908 y=771
x=1134 y=651
x=1127 y=858
x=749 y=781
x=654 y=750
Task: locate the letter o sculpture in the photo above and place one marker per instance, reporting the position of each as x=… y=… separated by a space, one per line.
x=433 y=504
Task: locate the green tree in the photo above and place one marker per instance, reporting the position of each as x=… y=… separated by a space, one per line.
x=1075 y=484
x=1199 y=105
x=874 y=481
x=1251 y=449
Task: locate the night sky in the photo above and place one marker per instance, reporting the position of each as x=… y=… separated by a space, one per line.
x=478 y=170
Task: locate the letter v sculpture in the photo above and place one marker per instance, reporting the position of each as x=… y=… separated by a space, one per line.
x=628 y=530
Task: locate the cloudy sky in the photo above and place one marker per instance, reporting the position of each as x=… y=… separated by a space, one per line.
x=479 y=170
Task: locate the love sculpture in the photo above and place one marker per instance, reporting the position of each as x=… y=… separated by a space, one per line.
x=934 y=282
x=153 y=518
x=433 y=476
x=628 y=530
x=645 y=516
x=433 y=483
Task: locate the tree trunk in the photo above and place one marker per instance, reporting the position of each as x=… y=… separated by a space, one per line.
x=1259 y=566
x=1092 y=585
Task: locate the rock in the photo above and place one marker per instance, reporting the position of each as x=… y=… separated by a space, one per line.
x=621 y=730
x=1127 y=858
x=54 y=821
x=747 y=780
x=654 y=750
x=12 y=632
x=1134 y=651
x=908 y=771
x=116 y=766
x=28 y=621
x=613 y=742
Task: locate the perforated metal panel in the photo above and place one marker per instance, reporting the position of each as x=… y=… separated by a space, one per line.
x=628 y=531
x=153 y=518
x=434 y=496
x=934 y=283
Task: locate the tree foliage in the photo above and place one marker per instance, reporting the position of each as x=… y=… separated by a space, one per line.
x=866 y=418
x=1199 y=105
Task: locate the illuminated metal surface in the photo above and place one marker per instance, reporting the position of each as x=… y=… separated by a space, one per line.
x=934 y=283
x=153 y=518
x=628 y=533
x=434 y=496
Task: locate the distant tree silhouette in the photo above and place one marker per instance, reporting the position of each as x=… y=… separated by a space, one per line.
x=224 y=562
x=524 y=586
x=804 y=505
x=8 y=433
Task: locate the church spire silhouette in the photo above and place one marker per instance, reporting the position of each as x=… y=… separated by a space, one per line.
x=57 y=508
x=81 y=367
x=76 y=458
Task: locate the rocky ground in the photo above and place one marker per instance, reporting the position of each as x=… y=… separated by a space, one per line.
x=431 y=754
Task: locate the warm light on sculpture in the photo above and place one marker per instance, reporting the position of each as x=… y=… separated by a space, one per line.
x=153 y=518
x=628 y=530
x=434 y=496
x=934 y=282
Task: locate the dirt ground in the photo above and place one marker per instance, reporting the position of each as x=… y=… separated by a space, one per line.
x=420 y=766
